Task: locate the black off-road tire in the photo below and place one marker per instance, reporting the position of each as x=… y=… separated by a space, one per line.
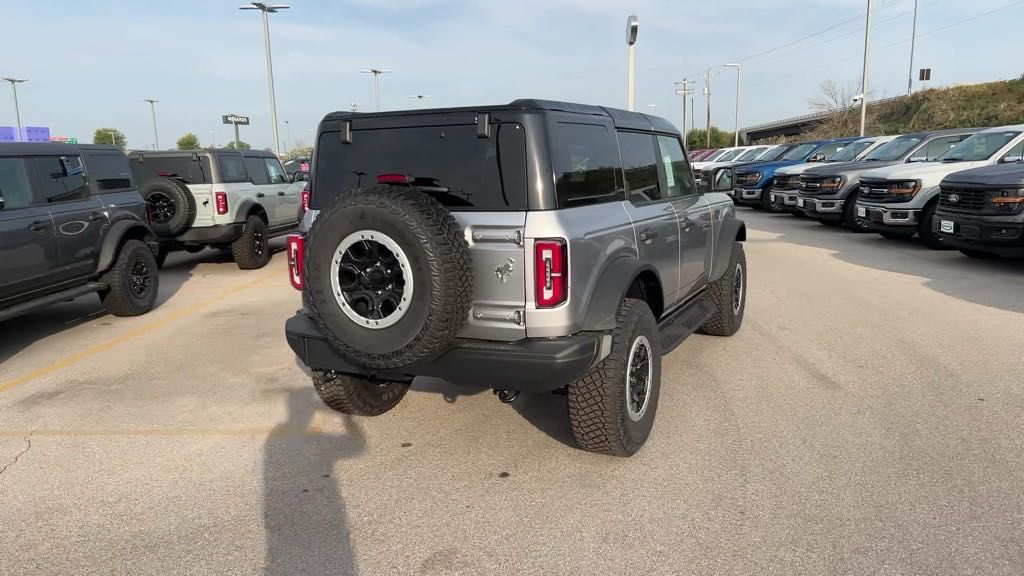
x=930 y=238
x=438 y=261
x=252 y=249
x=132 y=282
x=171 y=204
x=978 y=254
x=598 y=413
x=351 y=395
x=729 y=295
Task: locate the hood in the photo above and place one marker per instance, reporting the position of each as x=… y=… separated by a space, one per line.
x=929 y=173
x=766 y=167
x=797 y=169
x=846 y=168
x=998 y=176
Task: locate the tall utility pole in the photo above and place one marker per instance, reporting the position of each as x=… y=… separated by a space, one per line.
x=17 y=112
x=213 y=139
x=288 y=135
x=864 y=79
x=739 y=79
x=267 y=9
x=693 y=114
x=632 y=28
x=707 y=95
x=152 y=111
x=376 y=85
x=683 y=89
x=913 y=40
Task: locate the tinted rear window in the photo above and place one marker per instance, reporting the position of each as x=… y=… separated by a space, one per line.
x=450 y=163
x=586 y=162
x=108 y=172
x=183 y=167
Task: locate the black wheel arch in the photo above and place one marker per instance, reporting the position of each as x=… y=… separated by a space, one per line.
x=251 y=207
x=623 y=277
x=732 y=230
x=117 y=234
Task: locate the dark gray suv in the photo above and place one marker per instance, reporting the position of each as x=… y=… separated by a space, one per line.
x=72 y=223
x=535 y=246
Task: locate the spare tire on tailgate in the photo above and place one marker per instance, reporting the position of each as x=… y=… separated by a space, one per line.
x=388 y=276
x=172 y=208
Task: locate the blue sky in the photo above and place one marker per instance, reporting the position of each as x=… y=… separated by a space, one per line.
x=91 y=63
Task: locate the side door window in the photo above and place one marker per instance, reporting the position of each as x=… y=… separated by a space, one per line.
x=63 y=178
x=28 y=253
x=287 y=192
x=1015 y=154
x=276 y=171
x=257 y=171
x=678 y=177
x=234 y=180
x=586 y=165
x=939 y=146
x=640 y=166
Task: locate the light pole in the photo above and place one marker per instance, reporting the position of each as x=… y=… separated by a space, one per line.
x=376 y=85
x=113 y=139
x=739 y=79
x=683 y=89
x=288 y=135
x=14 y=88
x=632 y=27
x=266 y=9
x=913 y=40
x=707 y=95
x=152 y=111
x=213 y=139
x=653 y=107
x=864 y=79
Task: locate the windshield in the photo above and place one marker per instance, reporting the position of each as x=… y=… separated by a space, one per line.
x=981 y=146
x=730 y=155
x=773 y=154
x=800 y=152
x=750 y=154
x=714 y=156
x=894 y=150
x=851 y=151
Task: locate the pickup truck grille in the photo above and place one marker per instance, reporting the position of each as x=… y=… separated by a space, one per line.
x=811 y=184
x=786 y=182
x=880 y=191
x=965 y=199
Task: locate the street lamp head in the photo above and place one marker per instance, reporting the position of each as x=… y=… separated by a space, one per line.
x=14 y=80
x=632 y=27
x=733 y=65
x=375 y=71
x=269 y=8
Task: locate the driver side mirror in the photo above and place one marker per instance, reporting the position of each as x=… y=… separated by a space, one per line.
x=722 y=181
x=918 y=159
x=1010 y=159
x=819 y=157
x=1 y=199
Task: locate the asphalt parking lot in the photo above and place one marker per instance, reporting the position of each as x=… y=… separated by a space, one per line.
x=867 y=419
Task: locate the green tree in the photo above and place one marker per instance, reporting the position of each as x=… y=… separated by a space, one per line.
x=697 y=139
x=109 y=136
x=188 y=142
x=242 y=145
x=300 y=152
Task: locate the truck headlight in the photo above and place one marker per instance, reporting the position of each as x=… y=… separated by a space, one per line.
x=748 y=178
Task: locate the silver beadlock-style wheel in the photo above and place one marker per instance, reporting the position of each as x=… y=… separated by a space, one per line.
x=638 y=378
x=737 y=289
x=371 y=279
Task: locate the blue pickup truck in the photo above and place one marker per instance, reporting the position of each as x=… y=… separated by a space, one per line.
x=753 y=182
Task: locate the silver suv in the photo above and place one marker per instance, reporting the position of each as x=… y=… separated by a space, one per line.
x=530 y=247
x=221 y=198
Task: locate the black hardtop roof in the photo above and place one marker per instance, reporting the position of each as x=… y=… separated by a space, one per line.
x=46 y=148
x=621 y=118
x=201 y=152
x=1000 y=175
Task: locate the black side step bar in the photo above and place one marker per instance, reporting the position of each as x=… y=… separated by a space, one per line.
x=685 y=320
x=54 y=298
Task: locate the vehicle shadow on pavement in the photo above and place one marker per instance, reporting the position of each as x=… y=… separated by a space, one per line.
x=450 y=392
x=304 y=514
x=946 y=271
x=549 y=413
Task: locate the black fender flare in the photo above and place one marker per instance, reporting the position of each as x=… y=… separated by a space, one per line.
x=250 y=206
x=611 y=289
x=732 y=230
x=117 y=232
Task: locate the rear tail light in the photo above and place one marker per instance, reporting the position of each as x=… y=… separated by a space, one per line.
x=305 y=199
x=296 y=252
x=221 y=199
x=552 y=272
x=394 y=179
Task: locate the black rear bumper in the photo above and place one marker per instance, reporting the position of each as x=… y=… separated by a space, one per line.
x=534 y=365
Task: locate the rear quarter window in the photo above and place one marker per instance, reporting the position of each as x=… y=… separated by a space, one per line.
x=108 y=172
x=450 y=163
x=586 y=163
x=232 y=168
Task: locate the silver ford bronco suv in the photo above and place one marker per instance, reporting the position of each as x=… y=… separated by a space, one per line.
x=531 y=247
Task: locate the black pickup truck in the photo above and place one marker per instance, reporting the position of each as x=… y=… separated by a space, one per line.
x=981 y=211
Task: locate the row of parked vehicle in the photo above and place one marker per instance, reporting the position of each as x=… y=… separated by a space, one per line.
x=959 y=188
x=82 y=219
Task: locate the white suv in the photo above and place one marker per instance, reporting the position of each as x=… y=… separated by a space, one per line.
x=221 y=198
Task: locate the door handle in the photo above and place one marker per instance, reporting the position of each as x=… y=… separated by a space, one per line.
x=95 y=216
x=260 y=194
x=647 y=235
x=39 y=226
x=280 y=193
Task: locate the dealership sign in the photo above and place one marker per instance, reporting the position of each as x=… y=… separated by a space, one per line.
x=236 y=119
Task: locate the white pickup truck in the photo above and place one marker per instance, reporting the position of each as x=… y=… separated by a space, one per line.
x=899 y=201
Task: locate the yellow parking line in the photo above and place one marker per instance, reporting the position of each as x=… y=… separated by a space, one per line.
x=145 y=329
x=167 y=432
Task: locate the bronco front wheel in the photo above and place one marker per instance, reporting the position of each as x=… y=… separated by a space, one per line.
x=351 y=395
